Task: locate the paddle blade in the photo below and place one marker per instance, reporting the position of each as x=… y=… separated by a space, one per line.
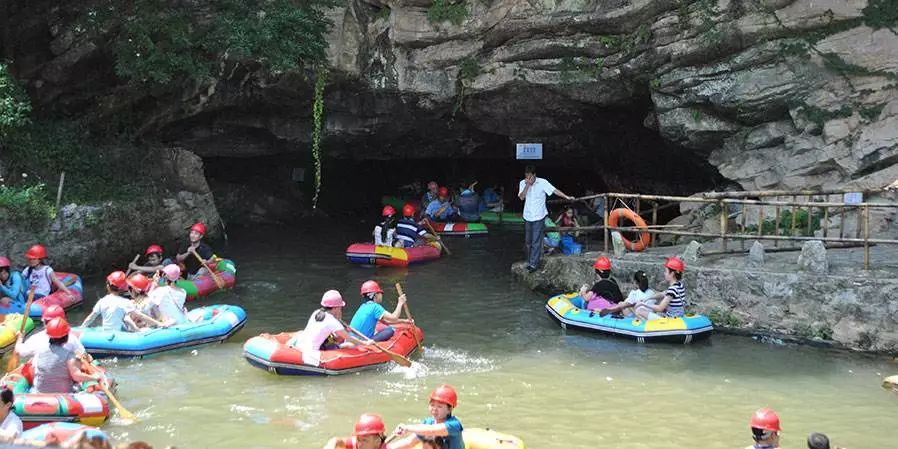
x=13 y=361
x=402 y=361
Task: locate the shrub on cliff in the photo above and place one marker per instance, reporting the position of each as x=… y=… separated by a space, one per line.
x=14 y=102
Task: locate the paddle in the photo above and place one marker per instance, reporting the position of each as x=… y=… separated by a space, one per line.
x=126 y=415
x=398 y=358
x=409 y=315
x=220 y=283
x=129 y=265
x=14 y=358
x=429 y=227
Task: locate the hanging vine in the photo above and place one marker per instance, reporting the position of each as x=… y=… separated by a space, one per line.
x=317 y=112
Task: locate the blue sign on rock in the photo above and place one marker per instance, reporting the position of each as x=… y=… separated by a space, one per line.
x=529 y=151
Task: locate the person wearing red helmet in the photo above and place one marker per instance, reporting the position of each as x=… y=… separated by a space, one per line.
x=371 y=311
x=673 y=300
x=323 y=330
x=40 y=340
x=441 y=209
x=115 y=309
x=441 y=427
x=408 y=230
x=12 y=287
x=606 y=287
x=369 y=432
x=765 y=429
x=40 y=275
x=56 y=369
x=195 y=243
x=384 y=232
x=166 y=303
x=153 y=263
x=534 y=191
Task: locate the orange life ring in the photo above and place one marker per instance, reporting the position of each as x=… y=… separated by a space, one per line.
x=644 y=237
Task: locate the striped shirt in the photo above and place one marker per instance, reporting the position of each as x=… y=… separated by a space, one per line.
x=407 y=230
x=677 y=305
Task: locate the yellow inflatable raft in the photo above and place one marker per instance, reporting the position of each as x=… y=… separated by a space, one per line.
x=8 y=328
x=490 y=439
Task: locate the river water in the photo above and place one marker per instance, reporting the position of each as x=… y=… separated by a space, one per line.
x=516 y=370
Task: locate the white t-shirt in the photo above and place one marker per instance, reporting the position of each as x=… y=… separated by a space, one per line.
x=40 y=279
x=41 y=341
x=637 y=296
x=310 y=339
x=169 y=301
x=535 y=201
x=11 y=426
x=113 y=309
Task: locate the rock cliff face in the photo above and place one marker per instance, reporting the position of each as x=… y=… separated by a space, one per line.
x=775 y=94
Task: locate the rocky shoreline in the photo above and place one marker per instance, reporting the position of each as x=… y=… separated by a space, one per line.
x=838 y=309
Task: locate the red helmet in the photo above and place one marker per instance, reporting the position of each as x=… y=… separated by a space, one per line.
x=602 y=264
x=388 y=210
x=445 y=394
x=4 y=262
x=408 y=210
x=153 y=249
x=138 y=282
x=443 y=192
x=36 y=252
x=675 y=264
x=118 y=280
x=199 y=227
x=369 y=424
x=371 y=287
x=57 y=328
x=53 y=311
x=765 y=419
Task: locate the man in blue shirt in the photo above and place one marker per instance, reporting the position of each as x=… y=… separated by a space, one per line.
x=469 y=204
x=441 y=427
x=441 y=209
x=371 y=311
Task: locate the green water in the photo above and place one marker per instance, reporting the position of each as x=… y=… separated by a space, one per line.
x=516 y=370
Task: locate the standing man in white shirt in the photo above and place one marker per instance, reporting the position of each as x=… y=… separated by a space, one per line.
x=534 y=191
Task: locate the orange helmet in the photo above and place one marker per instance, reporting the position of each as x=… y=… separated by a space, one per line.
x=369 y=424
x=371 y=287
x=118 y=280
x=57 y=328
x=443 y=192
x=36 y=252
x=408 y=210
x=138 y=282
x=154 y=249
x=199 y=227
x=602 y=263
x=675 y=264
x=765 y=419
x=388 y=211
x=445 y=394
x=52 y=311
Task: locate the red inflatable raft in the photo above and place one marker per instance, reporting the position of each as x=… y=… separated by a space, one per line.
x=271 y=353
x=388 y=256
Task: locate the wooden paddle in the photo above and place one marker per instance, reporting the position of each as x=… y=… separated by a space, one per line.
x=14 y=358
x=429 y=227
x=129 y=265
x=398 y=358
x=218 y=281
x=126 y=415
x=409 y=315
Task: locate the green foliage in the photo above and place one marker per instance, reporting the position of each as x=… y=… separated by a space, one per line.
x=820 y=116
x=454 y=12
x=159 y=42
x=784 y=224
x=29 y=205
x=43 y=150
x=811 y=332
x=574 y=70
x=871 y=113
x=470 y=68
x=724 y=318
x=881 y=14
x=611 y=42
x=383 y=14
x=317 y=117
x=15 y=106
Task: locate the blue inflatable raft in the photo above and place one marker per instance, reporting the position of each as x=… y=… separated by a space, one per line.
x=67 y=433
x=208 y=324
x=684 y=329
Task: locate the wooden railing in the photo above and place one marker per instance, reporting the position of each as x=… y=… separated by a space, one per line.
x=778 y=227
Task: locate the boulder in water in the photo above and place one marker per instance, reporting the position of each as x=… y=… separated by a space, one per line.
x=890 y=383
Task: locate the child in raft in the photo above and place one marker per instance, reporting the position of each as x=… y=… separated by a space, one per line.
x=371 y=311
x=409 y=231
x=441 y=427
x=115 y=309
x=40 y=275
x=385 y=231
x=323 y=325
x=369 y=432
x=673 y=300
x=166 y=303
x=154 y=261
x=192 y=265
x=638 y=302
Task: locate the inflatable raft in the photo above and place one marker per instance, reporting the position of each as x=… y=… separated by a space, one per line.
x=210 y=324
x=8 y=328
x=271 y=353
x=388 y=256
x=71 y=281
x=89 y=406
x=63 y=433
x=465 y=229
x=502 y=217
x=205 y=285
x=684 y=329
